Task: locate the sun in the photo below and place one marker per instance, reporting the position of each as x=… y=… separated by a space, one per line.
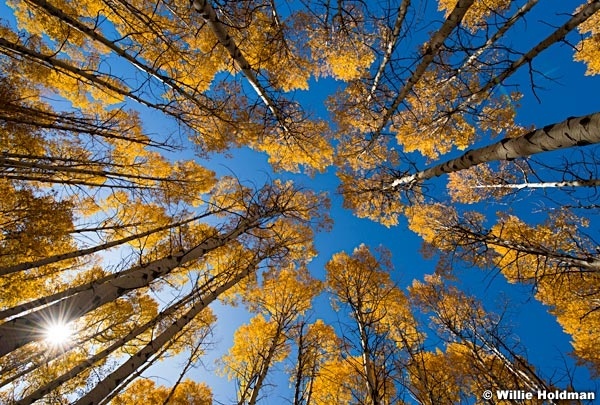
x=58 y=333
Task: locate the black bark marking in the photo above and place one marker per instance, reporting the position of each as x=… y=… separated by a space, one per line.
x=529 y=136
x=547 y=130
x=585 y=121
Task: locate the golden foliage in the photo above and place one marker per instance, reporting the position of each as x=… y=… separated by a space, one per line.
x=368 y=198
x=253 y=343
x=335 y=381
x=145 y=391
x=304 y=143
x=421 y=128
x=284 y=295
x=477 y=183
x=588 y=49
x=429 y=221
x=476 y=16
x=342 y=55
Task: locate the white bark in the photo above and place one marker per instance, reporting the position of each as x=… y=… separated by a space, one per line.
x=84 y=252
x=208 y=14
x=27 y=328
x=391 y=45
x=546 y=184
x=431 y=49
x=74 y=371
x=106 y=386
x=575 y=131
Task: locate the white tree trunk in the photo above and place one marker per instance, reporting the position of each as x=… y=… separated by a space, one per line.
x=545 y=184
x=430 y=51
x=84 y=252
x=91 y=361
x=575 y=131
x=106 y=386
x=30 y=327
x=208 y=14
x=391 y=45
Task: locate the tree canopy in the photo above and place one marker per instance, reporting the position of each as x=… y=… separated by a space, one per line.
x=164 y=162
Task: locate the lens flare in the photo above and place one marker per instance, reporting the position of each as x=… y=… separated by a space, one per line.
x=58 y=333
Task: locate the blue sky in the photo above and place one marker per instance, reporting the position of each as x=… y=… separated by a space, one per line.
x=569 y=94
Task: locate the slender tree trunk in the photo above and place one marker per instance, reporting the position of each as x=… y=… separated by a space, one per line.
x=558 y=35
x=391 y=45
x=38 y=168
x=92 y=33
x=65 y=121
x=27 y=328
x=49 y=180
x=208 y=14
x=431 y=49
x=470 y=238
x=530 y=381
x=106 y=386
x=582 y=15
x=264 y=368
x=576 y=131
x=367 y=363
x=470 y=62
x=73 y=372
x=589 y=263
x=84 y=252
x=89 y=77
x=298 y=395
x=545 y=184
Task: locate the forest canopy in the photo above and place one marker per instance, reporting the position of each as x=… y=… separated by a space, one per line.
x=169 y=167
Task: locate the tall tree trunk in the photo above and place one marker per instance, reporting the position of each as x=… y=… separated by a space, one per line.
x=264 y=368
x=31 y=116
x=89 y=362
x=27 y=328
x=470 y=62
x=209 y=15
x=431 y=49
x=104 y=246
x=95 y=35
x=25 y=165
x=545 y=184
x=367 y=362
x=390 y=46
x=106 y=386
x=558 y=35
x=575 y=131
x=87 y=76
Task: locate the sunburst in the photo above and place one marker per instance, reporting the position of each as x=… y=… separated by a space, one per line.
x=58 y=334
